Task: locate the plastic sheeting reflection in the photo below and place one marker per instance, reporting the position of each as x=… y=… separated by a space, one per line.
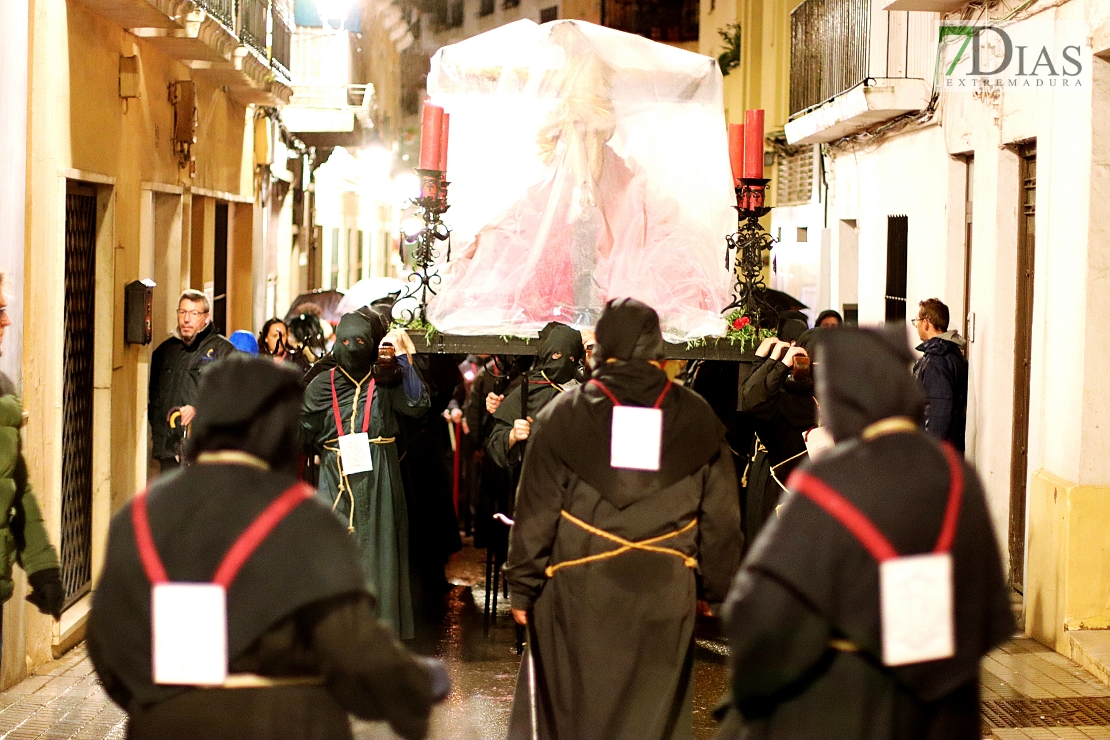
x=586 y=164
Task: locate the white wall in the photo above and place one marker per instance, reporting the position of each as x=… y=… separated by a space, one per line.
x=921 y=174
x=13 y=173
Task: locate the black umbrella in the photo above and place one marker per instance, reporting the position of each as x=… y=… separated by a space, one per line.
x=782 y=301
x=326 y=300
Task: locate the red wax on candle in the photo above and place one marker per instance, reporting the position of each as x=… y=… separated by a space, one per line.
x=736 y=150
x=753 y=144
x=443 y=142
x=431 y=132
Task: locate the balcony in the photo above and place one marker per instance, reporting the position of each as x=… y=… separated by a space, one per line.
x=853 y=64
x=227 y=41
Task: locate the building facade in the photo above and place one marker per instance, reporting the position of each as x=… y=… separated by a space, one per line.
x=143 y=127
x=990 y=201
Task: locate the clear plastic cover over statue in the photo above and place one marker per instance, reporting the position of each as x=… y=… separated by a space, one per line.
x=585 y=164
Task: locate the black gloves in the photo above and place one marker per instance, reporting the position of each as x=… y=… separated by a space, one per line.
x=48 y=594
x=441 y=682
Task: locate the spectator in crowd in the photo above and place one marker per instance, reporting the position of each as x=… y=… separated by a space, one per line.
x=835 y=631
x=942 y=373
x=303 y=645
x=175 y=371
x=829 y=319
x=22 y=530
x=272 y=340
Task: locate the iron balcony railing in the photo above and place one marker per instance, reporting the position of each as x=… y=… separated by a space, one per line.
x=222 y=10
x=282 y=44
x=829 y=50
x=253 y=18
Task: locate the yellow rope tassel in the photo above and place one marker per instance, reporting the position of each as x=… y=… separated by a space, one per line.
x=625 y=545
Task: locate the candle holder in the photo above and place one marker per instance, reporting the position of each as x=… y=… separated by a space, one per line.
x=749 y=242
x=425 y=277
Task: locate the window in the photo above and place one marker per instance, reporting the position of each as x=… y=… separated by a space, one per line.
x=455 y=14
x=850 y=314
x=897 y=238
x=510 y=4
x=803 y=234
x=485 y=7
x=549 y=14
x=334 y=259
x=358 y=260
x=794 y=179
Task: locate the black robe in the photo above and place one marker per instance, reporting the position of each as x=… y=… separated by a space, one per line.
x=808 y=580
x=433 y=525
x=780 y=411
x=491 y=485
x=612 y=641
x=298 y=607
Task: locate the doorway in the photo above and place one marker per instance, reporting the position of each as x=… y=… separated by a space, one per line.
x=77 y=390
x=1023 y=350
x=219 y=269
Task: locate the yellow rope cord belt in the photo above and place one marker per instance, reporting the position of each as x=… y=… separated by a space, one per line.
x=625 y=545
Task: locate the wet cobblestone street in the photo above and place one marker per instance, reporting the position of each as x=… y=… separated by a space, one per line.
x=1029 y=691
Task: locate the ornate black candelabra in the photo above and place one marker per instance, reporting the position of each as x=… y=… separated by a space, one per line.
x=425 y=276
x=749 y=241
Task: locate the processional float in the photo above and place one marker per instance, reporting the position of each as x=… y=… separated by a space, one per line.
x=588 y=164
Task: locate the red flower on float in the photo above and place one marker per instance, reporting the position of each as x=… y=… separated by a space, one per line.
x=741 y=322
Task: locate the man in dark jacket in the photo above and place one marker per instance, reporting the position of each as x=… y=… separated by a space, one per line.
x=609 y=555
x=303 y=644
x=942 y=373
x=835 y=632
x=175 y=369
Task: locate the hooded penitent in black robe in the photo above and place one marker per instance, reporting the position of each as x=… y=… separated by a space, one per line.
x=803 y=616
x=548 y=377
x=433 y=526
x=492 y=485
x=373 y=502
x=611 y=641
x=298 y=607
x=781 y=409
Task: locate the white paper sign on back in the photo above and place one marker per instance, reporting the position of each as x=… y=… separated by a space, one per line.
x=916 y=603
x=189 y=633
x=637 y=438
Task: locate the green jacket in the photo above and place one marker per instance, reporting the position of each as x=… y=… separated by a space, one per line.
x=23 y=537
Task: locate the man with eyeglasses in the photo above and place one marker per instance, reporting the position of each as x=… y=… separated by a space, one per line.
x=942 y=373
x=175 y=370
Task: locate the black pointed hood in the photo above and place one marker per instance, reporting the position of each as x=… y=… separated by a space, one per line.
x=863 y=375
x=356 y=342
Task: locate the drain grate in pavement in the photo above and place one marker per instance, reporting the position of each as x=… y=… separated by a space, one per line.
x=1046 y=712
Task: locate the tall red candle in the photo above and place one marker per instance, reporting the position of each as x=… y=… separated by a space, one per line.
x=443 y=142
x=753 y=144
x=431 y=132
x=736 y=150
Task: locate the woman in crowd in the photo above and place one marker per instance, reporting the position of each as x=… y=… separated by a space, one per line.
x=271 y=340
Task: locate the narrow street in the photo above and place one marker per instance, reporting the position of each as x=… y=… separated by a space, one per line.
x=1028 y=691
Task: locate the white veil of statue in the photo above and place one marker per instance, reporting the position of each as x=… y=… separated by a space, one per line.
x=585 y=164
